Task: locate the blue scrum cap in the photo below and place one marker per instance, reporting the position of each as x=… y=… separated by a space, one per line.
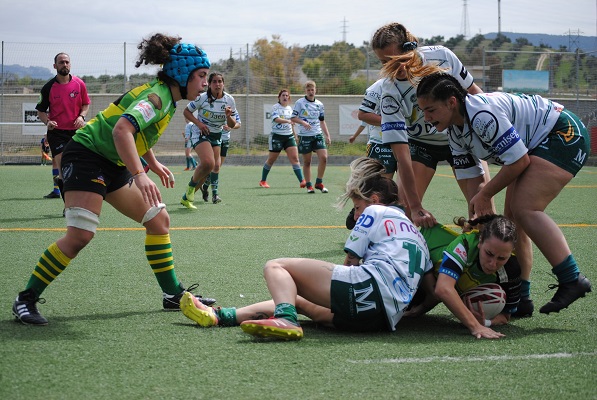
x=184 y=59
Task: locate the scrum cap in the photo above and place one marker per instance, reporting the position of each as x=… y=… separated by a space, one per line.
x=184 y=59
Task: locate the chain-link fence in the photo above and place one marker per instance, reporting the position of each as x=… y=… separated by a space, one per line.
x=253 y=75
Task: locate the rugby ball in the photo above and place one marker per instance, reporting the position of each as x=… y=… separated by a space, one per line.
x=490 y=296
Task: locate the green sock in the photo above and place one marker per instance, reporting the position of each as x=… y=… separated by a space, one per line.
x=318 y=181
x=567 y=270
x=298 y=171
x=286 y=311
x=265 y=171
x=214 y=178
x=227 y=316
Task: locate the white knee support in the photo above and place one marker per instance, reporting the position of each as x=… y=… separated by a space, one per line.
x=152 y=212
x=81 y=218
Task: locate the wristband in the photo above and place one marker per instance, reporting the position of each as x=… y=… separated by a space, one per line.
x=82 y=116
x=487 y=323
x=138 y=173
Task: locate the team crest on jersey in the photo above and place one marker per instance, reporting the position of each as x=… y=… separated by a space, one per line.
x=568 y=136
x=155 y=100
x=73 y=94
x=389 y=105
x=486 y=125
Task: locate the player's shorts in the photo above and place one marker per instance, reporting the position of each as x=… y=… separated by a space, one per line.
x=224 y=148
x=277 y=143
x=568 y=145
x=383 y=153
x=215 y=139
x=354 y=309
x=428 y=154
x=187 y=143
x=87 y=171
x=309 y=144
x=58 y=138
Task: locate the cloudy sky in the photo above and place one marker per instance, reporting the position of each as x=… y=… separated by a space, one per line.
x=297 y=22
x=224 y=26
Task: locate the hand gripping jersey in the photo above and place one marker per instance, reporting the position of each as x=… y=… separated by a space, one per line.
x=401 y=116
x=311 y=112
x=213 y=114
x=461 y=262
x=503 y=127
x=63 y=102
x=279 y=111
x=149 y=107
x=370 y=104
x=394 y=253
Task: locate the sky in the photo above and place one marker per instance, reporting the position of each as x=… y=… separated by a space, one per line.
x=236 y=23
x=297 y=22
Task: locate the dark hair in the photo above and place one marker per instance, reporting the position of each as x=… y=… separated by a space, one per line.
x=441 y=86
x=210 y=78
x=496 y=226
x=59 y=54
x=156 y=51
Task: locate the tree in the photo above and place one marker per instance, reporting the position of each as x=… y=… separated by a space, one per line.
x=273 y=65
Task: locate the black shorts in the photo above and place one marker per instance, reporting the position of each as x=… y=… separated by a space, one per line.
x=428 y=154
x=58 y=138
x=87 y=171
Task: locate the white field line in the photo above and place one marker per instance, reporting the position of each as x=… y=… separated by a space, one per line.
x=471 y=358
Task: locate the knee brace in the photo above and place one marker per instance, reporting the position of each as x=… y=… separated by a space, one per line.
x=81 y=218
x=152 y=212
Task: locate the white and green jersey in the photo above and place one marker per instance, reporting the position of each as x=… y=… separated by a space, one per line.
x=312 y=112
x=505 y=127
x=401 y=117
x=370 y=104
x=285 y=112
x=394 y=253
x=212 y=113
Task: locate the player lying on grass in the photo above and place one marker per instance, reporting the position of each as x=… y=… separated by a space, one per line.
x=471 y=259
x=371 y=297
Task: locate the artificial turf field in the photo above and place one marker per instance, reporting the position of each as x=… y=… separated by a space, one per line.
x=108 y=338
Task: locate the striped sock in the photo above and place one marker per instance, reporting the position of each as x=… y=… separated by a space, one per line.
x=158 y=250
x=286 y=311
x=51 y=263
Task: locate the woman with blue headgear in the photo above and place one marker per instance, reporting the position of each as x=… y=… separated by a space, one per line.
x=102 y=162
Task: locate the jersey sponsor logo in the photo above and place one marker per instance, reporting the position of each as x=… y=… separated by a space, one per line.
x=402 y=288
x=486 y=125
x=390 y=227
x=393 y=126
x=368 y=104
x=366 y=221
x=155 y=100
x=461 y=251
x=507 y=140
x=449 y=272
x=463 y=162
x=389 y=105
x=361 y=299
x=146 y=110
x=568 y=136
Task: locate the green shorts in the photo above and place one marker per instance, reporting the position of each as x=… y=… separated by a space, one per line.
x=277 y=143
x=568 y=144
x=356 y=302
x=309 y=144
x=428 y=154
x=383 y=154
